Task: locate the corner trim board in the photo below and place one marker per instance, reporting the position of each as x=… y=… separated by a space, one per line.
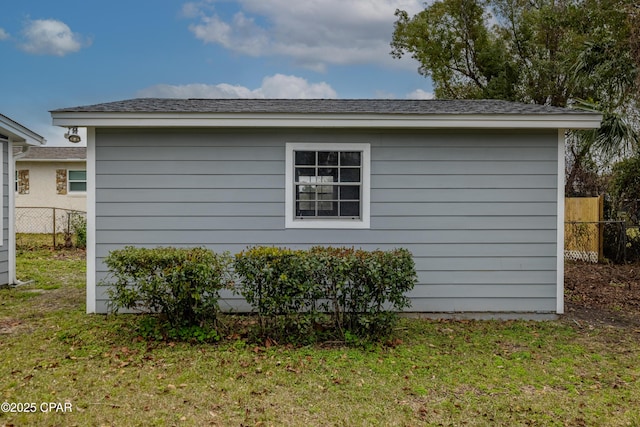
x=91 y=220
x=560 y=225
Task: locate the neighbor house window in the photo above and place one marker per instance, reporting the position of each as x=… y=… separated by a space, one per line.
x=77 y=181
x=22 y=181
x=327 y=185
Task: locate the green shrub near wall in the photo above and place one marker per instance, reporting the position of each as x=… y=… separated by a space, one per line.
x=180 y=284
x=299 y=295
x=346 y=292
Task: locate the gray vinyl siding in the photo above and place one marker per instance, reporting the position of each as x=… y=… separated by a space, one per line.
x=4 y=250
x=476 y=208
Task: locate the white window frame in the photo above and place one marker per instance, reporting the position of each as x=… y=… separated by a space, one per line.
x=312 y=222
x=69 y=191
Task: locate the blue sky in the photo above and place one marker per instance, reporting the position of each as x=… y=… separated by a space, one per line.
x=74 y=52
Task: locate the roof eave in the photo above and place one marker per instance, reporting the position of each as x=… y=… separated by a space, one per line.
x=291 y=120
x=26 y=159
x=20 y=134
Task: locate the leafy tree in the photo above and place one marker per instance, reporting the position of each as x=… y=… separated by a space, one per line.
x=541 y=51
x=457 y=50
x=624 y=188
x=591 y=152
x=579 y=53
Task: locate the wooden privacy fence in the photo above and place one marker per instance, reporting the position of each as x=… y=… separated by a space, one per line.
x=584 y=228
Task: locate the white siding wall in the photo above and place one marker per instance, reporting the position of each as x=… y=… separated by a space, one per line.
x=476 y=208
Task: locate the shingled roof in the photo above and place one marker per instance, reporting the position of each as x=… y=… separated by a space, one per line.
x=323 y=113
x=55 y=153
x=318 y=106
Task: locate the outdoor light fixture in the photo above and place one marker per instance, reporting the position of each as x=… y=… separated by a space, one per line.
x=72 y=135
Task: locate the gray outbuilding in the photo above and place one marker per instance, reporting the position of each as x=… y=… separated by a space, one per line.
x=474 y=189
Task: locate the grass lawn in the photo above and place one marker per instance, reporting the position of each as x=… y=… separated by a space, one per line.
x=433 y=373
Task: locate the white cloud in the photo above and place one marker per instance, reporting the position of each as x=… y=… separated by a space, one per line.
x=281 y=86
x=241 y=35
x=50 y=37
x=191 y=10
x=276 y=86
x=312 y=32
x=420 y=94
x=3 y=34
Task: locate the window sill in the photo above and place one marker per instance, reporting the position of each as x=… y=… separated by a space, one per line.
x=326 y=224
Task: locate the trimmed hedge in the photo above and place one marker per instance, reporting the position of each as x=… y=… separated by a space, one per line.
x=344 y=292
x=181 y=284
x=299 y=295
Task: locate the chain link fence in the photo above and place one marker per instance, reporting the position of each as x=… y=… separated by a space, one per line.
x=53 y=227
x=621 y=242
x=615 y=241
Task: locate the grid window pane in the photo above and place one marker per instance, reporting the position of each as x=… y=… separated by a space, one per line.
x=305 y=158
x=327 y=209
x=349 y=192
x=350 y=158
x=77 y=186
x=326 y=196
x=317 y=178
x=306 y=209
x=306 y=190
x=329 y=173
x=350 y=209
x=350 y=175
x=307 y=196
x=327 y=158
x=78 y=175
x=305 y=174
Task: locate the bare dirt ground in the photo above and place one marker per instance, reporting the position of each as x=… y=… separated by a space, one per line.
x=603 y=295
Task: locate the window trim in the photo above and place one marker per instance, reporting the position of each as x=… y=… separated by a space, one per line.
x=327 y=223
x=69 y=181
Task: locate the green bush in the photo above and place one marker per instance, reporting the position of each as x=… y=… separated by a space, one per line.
x=79 y=227
x=277 y=283
x=379 y=283
x=180 y=284
x=343 y=292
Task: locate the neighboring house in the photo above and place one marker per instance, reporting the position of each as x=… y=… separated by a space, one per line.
x=474 y=189
x=13 y=136
x=47 y=178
